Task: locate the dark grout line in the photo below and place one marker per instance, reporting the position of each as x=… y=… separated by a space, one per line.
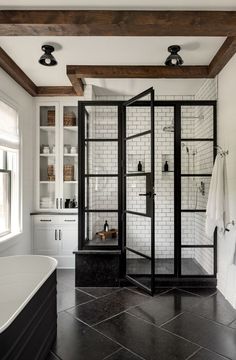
x=181 y=337
x=210 y=320
x=106 y=336
x=193 y=354
x=78 y=289
x=115 y=352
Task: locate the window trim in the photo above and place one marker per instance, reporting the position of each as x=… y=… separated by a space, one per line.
x=7 y=239
x=10 y=205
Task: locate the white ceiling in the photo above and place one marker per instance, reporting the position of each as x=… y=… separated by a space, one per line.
x=25 y=51
x=122 y=4
x=132 y=87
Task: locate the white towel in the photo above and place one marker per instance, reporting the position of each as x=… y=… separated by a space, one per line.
x=217 y=211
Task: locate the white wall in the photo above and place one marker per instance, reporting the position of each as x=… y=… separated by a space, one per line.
x=13 y=93
x=227 y=139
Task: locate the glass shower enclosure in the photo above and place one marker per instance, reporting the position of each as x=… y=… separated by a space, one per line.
x=128 y=153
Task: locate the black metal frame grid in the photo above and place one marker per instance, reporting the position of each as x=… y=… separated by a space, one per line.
x=83 y=142
x=178 y=246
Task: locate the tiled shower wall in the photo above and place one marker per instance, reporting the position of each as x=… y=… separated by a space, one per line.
x=204 y=129
x=198 y=158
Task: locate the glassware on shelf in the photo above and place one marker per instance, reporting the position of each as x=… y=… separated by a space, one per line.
x=51 y=174
x=51 y=118
x=46 y=202
x=69 y=172
x=69 y=118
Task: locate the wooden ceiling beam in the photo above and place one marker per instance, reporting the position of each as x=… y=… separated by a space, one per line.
x=55 y=91
x=138 y=72
x=116 y=23
x=222 y=57
x=75 y=80
x=13 y=70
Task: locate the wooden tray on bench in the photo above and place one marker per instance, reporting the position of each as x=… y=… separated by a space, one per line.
x=106 y=234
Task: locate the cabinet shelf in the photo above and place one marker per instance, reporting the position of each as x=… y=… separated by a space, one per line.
x=47 y=182
x=71 y=155
x=47 y=154
x=58 y=139
x=71 y=128
x=47 y=128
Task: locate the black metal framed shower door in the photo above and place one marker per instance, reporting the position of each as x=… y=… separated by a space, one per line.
x=138 y=191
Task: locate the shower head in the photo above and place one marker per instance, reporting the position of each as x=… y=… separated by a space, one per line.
x=169 y=128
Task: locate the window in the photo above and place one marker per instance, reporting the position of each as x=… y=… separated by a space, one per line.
x=9 y=171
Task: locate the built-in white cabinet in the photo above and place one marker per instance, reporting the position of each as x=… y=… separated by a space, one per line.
x=57 y=156
x=57 y=236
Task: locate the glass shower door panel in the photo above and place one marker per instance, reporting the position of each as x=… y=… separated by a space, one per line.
x=197 y=261
x=139 y=196
x=197 y=122
x=194 y=192
x=196 y=157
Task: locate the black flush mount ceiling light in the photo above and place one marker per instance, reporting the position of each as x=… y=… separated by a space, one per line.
x=47 y=59
x=174 y=59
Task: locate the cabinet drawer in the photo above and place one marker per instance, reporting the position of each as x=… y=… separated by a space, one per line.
x=55 y=219
x=67 y=219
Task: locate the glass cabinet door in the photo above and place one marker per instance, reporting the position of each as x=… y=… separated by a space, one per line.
x=69 y=174
x=48 y=158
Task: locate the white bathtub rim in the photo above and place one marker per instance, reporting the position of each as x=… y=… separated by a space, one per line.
x=30 y=296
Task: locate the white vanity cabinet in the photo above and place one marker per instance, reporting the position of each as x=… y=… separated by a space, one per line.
x=56 y=236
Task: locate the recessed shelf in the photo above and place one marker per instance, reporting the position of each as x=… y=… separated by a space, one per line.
x=166 y=172
x=70 y=182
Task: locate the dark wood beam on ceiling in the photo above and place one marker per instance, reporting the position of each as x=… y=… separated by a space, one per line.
x=75 y=80
x=222 y=57
x=138 y=72
x=55 y=91
x=116 y=23
x=12 y=69
x=15 y=72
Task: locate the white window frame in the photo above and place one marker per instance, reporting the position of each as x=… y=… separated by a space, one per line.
x=12 y=233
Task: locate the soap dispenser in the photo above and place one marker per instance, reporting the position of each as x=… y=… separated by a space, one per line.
x=106 y=226
x=166 y=166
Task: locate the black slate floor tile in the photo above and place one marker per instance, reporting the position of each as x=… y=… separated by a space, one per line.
x=207 y=355
x=76 y=340
x=201 y=291
x=179 y=300
x=156 y=312
x=99 y=291
x=71 y=297
x=216 y=308
x=107 y=306
x=123 y=354
x=145 y=339
x=213 y=336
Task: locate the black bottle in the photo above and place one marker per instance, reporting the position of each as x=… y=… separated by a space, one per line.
x=140 y=167
x=166 y=166
x=106 y=226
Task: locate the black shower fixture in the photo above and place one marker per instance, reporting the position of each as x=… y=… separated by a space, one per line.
x=174 y=59
x=47 y=59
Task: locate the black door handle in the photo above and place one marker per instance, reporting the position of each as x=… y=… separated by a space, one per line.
x=150 y=194
x=147 y=194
